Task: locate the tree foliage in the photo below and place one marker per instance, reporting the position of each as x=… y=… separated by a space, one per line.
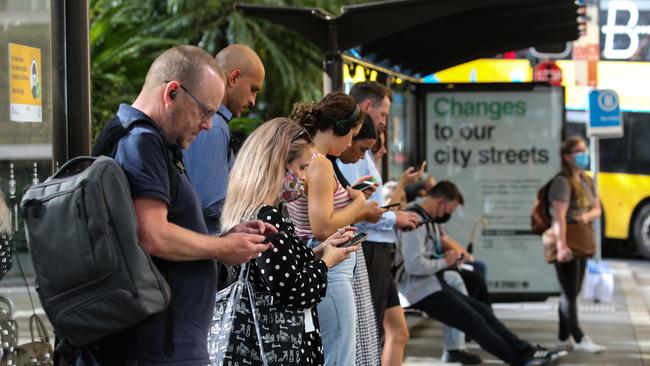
x=127 y=35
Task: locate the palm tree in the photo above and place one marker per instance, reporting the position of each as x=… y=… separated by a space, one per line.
x=126 y=35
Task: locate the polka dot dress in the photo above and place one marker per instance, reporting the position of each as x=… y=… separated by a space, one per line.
x=292 y=276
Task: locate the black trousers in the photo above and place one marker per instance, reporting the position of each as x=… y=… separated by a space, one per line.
x=570 y=275
x=477 y=320
x=476 y=285
x=379 y=260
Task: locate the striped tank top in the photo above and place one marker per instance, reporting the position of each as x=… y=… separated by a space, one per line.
x=298 y=209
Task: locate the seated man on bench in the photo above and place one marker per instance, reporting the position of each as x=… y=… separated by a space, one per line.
x=421 y=289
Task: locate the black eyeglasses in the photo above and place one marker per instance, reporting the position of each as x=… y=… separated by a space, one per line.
x=207 y=113
x=302 y=135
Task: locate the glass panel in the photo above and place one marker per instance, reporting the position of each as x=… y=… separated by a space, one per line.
x=26 y=106
x=401 y=133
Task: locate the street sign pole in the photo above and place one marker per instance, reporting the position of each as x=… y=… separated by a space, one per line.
x=604 y=121
x=595 y=166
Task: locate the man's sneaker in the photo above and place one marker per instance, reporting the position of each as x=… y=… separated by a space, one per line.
x=542 y=356
x=461 y=356
x=558 y=354
x=566 y=345
x=586 y=345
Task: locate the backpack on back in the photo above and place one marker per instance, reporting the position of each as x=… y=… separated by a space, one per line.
x=540 y=217
x=93 y=277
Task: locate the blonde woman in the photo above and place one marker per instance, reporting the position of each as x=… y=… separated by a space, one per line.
x=327 y=206
x=270 y=168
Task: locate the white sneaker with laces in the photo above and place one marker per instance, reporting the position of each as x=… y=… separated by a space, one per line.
x=566 y=345
x=586 y=345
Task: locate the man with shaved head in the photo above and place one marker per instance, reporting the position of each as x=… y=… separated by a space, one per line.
x=210 y=158
x=182 y=92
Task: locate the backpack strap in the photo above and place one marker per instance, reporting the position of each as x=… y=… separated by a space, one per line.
x=108 y=141
x=425 y=215
x=429 y=227
x=107 y=144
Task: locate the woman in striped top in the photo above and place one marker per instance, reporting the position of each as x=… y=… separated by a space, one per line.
x=326 y=207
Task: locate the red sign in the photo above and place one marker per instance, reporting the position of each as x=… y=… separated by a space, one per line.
x=549 y=72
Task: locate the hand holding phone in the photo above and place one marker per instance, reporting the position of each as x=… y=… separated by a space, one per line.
x=273 y=237
x=423 y=166
x=357 y=239
x=361 y=186
x=366 y=184
x=391 y=205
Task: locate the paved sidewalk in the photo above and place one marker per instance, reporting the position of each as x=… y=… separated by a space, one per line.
x=623 y=326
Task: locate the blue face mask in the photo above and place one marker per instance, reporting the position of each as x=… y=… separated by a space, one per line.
x=582 y=160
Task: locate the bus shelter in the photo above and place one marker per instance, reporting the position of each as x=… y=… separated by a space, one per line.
x=419 y=37
x=497 y=142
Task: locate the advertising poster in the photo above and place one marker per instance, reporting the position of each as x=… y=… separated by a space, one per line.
x=25 y=83
x=499 y=147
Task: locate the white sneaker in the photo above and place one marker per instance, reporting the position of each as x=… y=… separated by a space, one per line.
x=586 y=345
x=566 y=345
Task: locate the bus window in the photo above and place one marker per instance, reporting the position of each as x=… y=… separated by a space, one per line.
x=640 y=134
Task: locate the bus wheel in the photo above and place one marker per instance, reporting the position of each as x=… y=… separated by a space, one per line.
x=641 y=230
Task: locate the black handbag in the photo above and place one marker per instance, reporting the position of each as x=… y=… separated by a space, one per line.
x=243 y=316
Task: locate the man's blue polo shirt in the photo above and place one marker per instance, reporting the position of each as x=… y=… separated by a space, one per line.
x=193 y=283
x=208 y=161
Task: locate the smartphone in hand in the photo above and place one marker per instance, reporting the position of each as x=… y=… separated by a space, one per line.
x=273 y=237
x=357 y=239
x=391 y=205
x=363 y=186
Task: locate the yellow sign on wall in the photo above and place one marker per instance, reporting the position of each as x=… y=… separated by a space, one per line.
x=25 y=84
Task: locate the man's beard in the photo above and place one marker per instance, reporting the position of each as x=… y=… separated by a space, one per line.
x=176 y=129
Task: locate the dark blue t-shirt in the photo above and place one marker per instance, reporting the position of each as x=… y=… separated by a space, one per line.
x=193 y=284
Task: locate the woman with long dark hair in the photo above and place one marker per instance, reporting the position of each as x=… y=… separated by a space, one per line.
x=327 y=206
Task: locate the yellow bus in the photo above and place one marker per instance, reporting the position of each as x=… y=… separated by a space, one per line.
x=624 y=181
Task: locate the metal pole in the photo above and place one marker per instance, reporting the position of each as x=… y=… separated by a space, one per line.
x=59 y=103
x=77 y=49
x=333 y=76
x=595 y=164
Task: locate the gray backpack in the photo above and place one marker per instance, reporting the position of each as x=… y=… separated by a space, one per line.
x=93 y=277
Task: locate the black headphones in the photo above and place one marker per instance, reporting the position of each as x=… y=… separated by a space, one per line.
x=343 y=127
x=172 y=94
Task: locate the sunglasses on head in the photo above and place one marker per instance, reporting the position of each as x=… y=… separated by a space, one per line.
x=302 y=135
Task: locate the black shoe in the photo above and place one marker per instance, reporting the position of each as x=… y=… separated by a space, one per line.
x=461 y=356
x=542 y=356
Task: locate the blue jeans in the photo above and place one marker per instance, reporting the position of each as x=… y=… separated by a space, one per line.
x=454 y=339
x=337 y=314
